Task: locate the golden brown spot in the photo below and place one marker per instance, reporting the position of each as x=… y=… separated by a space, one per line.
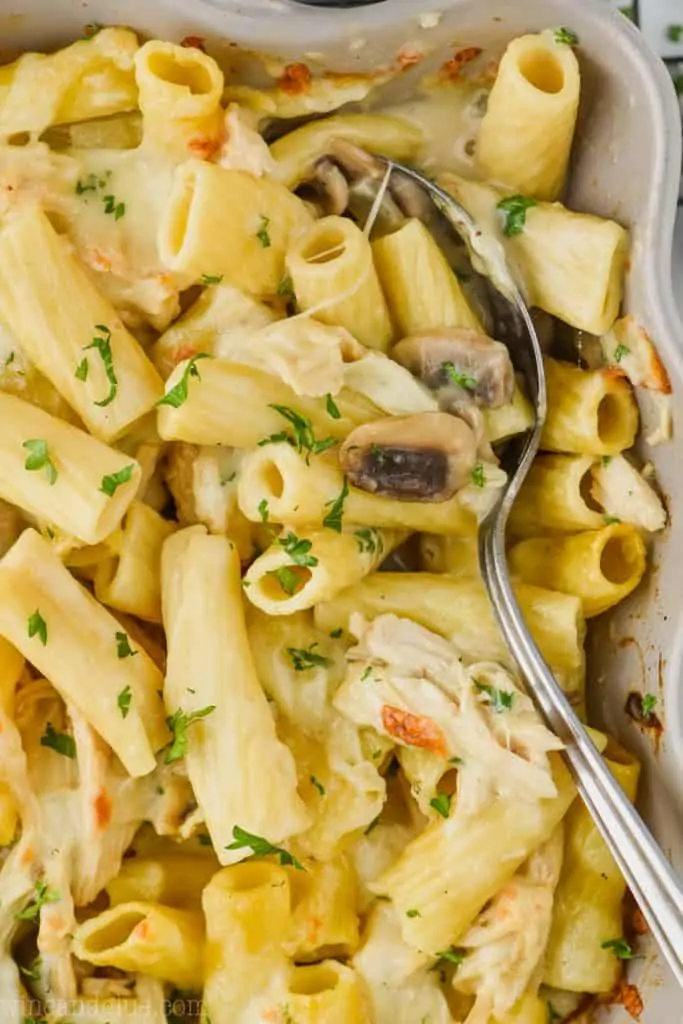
x=102 y=809
x=295 y=79
x=194 y=43
x=630 y=997
x=415 y=730
x=451 y=69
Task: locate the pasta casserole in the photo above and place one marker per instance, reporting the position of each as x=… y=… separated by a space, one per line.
x=264 y=757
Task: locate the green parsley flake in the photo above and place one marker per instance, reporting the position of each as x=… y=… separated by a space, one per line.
x=369 y=541
x=674 y=33
x=263 y=510
x=37 y=626
x=333 y=519
x=103 y=346
x=43 y=895
x=621 y=351
x=207 y=279
x=113 y=481
x=457 y=761
x=297 y=549
x=179 y=723
x=304 y=437
x=610 y=520
x=39 y=458
x=337 y=633
x=453 y=955
x=288 y=579
x=565 y=35
x=32 y=972
x=463 y=380
x=318 y=785
x=111 y=206
x=304 y=658
x=441 y=804
x=262 y=233
x=123 y=648
x=332 y=409
x=60 y=742
x=260 y=847
x=648 y=705
x=91 y=183
x=477 y=475
x=178 y=394
x=204 y=839
x=413 y=913
x=366 y=673
x=82 y=370
x=124 y=698
x=515 y=208
x=498 y=700
x=285 y=289
x=620 y=947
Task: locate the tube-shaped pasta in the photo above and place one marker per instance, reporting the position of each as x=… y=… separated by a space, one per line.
x=173 y=880
x=505 y=421
x=453 y=868
x=300 y=494
x=601 y=567
x=131 y=582
x=456 y=556
x=148 y=938
x=588 y=902
x=459 y=609
x=324 y=993
x=48 y=467
x=69 y=637
x=281 y=581
x=180 y=91
x=229 y=223
x=334 y=277
x=250 y=394
x=208 y=643
x=297 y=152
x=324 y=911
x=555 y=497
x=70 y=331
x=91 y=78
x=572 y=264
x=527 y=131
x=421 y=289
x=530 y=1009
x=590 y=412
x=248 y=917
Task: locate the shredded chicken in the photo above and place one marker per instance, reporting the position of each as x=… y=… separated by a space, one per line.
x=410 y=684
x=619 y=488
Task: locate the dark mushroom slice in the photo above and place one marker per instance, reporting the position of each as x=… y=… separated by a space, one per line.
x=328 y=189
x=461 y=361
x=355 y=162
x=426 y=457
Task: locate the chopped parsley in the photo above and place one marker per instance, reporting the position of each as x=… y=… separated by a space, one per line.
x=298 y=549
x=336 y=633
x=262 y=233
x=621 y=351
x=477 y=475
x=91 y=183
x=318 y=785
x=103 y=346
x=285 y=289
x=515 y=208
x=123 y=700
x=177 y=396
x=123 y=648
x=648 y=705
x=91 y=30
x=179 y=723
x=498 y=700
x=565 y=35
x=260 y=847
x=332 y=409
x=43 y=895
x=82 y=370
x=366 y=673
x=333 y=519
x=39 y=458
x=111 y=483
x=369 y=541
x=610 y=520
x=413 y=913
x=111 y=206
x=37 y=626
x=674 y=33
x=304 y=658
x=207 y=279
x=452 y=955
x=204 y=839
x=263 y=510
x=456 y=376
x=457 y=761
x=32 y=972
x=620 y=947
x=606 y=459
x=304 y=438
x=441 y=803
x=288 y=579
x=61 y=742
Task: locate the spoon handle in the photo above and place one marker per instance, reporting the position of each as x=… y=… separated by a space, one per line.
x=655 y=885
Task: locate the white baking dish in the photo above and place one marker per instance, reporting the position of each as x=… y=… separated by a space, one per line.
x=627 y=165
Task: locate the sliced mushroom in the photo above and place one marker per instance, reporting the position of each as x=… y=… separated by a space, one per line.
x=356 y=162
x=328 y=189
x=461 y=362
x=427 y=457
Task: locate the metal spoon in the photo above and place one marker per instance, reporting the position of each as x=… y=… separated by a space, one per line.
x=655 y=885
